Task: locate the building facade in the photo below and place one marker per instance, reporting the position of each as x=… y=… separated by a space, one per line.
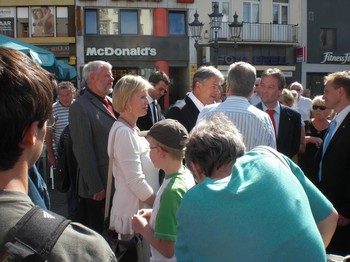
x=137 y=37
x=50 y=26
x=140 y=36
x=325 y=41
x=269 y=36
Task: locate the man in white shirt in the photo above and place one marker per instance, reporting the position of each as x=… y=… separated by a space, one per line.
x=255 y=125
x=303 y=104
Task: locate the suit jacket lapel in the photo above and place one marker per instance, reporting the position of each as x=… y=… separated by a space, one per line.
x=339 y=132
x=97 y=103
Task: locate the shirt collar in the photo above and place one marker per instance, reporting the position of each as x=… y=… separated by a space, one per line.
x=195 y=100
x=342 y=114
x=277 y=108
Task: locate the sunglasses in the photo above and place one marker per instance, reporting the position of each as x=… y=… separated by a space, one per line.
x=315 y=107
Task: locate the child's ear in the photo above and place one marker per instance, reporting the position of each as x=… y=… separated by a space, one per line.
x=162 y=153
x=29 y=136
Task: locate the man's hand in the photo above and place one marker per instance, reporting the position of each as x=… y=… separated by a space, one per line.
x=99 y=196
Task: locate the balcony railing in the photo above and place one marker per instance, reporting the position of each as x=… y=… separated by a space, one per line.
x=260 y=32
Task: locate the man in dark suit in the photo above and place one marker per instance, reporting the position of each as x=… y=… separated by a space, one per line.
x=331 y=172
x=206 y=88
x=90 y=119
x=286 y=121
x=160 y=82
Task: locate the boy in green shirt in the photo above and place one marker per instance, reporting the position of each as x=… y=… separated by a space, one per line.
x=158 y=225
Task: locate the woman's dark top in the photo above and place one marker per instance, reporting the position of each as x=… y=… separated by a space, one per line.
x=306 y=160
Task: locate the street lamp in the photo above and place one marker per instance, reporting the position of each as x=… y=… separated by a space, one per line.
x=215 y=24
x=196 y=28
x=215 y=21
x=235 y=29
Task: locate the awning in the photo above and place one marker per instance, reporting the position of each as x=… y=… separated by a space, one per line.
x=65 y=71
x=42 y=57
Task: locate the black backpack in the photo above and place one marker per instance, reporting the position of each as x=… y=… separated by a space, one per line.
x=34 y=236
x=66 y=165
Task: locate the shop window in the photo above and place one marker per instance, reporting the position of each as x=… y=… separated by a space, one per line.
x=177 y=23
x=22 y=22
x=7 y=21
x=43 y=21
x=91 y=21
x=328 y=38
x=108 y=21
x=129 y=22
x=146 y=22
x=113 y=21
x=62 y=21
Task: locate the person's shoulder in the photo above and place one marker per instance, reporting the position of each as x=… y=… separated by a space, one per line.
x=179 y=104
x=306 y=99
x=183 y=180
x=290 y=111
x=208 y=108
x=87 y=246
x=176 y=110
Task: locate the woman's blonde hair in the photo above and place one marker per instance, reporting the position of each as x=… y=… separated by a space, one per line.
x=318 y=99
x=125 y=88
x=287 y=98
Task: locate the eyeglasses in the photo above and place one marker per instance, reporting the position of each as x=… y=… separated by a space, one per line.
x=315 y=107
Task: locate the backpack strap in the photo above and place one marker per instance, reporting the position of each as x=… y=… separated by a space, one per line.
x=34 y=235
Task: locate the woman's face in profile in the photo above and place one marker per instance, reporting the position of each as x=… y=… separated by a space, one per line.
x=139 y=103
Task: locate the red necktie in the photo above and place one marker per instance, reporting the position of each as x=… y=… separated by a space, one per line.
x=271 y=112
x=110 y=109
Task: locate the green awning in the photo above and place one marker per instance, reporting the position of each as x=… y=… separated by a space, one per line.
x=42 y=57
x=65 y=71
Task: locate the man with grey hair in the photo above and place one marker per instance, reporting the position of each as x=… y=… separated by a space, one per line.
x=90 y=119
x=255 y=125
x=302 y=104
x=205 y=90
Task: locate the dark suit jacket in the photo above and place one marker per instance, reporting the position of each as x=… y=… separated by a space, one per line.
x=90 y=122
x=145 y=122
x=289 y=131
x=335 y=182
x=185 y=112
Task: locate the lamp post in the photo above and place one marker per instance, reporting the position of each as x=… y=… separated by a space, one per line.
x=215 y=22
x=235 y=29
x=196 y=28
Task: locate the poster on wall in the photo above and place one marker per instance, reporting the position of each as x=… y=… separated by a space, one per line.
x=7 y=27
x=43 y=21
x=7 y=18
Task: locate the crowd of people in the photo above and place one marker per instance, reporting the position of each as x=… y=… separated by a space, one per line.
x=262 y=174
